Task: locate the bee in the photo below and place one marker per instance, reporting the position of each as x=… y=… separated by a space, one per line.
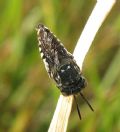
x=60 y=65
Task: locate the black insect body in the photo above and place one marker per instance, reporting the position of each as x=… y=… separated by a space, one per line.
x=60 y=64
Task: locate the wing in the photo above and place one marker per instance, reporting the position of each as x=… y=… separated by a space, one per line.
x=52 y=51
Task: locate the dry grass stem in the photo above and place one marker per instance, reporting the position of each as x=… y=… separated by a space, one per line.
x=64 y=105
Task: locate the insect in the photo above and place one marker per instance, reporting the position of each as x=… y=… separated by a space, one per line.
x=60 y=65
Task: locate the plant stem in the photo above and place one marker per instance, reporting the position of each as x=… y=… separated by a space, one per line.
x=102 y=8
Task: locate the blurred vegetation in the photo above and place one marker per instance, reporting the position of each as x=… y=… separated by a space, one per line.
x=27 y=96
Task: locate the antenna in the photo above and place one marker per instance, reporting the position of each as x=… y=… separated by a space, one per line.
x=77 y=107
x=86 y=101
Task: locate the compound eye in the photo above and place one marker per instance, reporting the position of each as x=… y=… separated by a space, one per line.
x=81 y=79
x=83 y=82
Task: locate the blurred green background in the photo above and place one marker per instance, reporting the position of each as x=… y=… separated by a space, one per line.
x=27 y=96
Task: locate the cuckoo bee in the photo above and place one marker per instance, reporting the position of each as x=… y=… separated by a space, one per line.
x=60 y=65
